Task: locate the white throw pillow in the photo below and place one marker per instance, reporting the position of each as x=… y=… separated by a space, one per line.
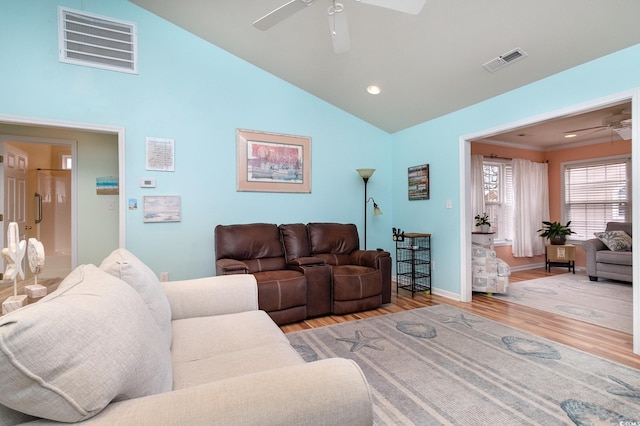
x=90 y=342
x=615 y=240
x=123 y=264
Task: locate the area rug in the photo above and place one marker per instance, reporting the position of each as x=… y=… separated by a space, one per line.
x=441 y=365
x=605 y=303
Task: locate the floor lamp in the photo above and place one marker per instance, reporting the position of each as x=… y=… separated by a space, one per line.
x=365 y=174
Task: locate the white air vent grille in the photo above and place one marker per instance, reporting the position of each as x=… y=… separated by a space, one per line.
x=505 y=59
x=97 y=41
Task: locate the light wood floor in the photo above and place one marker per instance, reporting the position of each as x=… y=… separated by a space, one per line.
x=605 y=343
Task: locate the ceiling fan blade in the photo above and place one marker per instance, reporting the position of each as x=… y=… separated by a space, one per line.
x=587 y=128
x=412 y=7
x=281 y=13
x=339 y=29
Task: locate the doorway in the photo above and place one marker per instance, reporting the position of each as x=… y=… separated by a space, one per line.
x=38 y=195
x=465 y=194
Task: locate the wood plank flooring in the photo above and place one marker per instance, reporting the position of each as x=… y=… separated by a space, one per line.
x=602 y=342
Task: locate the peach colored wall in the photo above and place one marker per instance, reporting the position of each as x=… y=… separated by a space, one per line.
x=555 y=158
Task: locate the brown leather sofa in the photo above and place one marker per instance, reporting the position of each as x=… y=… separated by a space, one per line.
x=288 y=293
x=305 y=270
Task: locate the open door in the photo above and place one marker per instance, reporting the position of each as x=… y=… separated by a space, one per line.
x=15 y=168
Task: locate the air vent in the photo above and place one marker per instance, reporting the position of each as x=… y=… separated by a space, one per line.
x=97 y=41
x=505 y=59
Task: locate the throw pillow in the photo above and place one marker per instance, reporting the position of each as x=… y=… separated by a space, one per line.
x=123 y=264
x=615 y=240
x=90 y=342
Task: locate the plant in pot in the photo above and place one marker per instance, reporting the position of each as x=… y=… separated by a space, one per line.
x=483 y=222
x=556 y=232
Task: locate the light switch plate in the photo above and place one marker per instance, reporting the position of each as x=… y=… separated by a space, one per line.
x=147 y=182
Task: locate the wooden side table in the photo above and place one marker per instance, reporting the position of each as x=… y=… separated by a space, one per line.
x=560 y=255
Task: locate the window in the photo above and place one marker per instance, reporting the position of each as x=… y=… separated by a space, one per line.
x=498 y=197
x=66 y=162
x=596 y=192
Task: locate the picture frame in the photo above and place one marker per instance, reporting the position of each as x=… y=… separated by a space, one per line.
x=272 y=162
x=418 y=181
x=161 y=208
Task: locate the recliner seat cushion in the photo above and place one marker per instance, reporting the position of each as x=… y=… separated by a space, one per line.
x=90 y=342
x=351 y=282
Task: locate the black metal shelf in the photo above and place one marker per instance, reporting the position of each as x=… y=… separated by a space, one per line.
x=413 y=263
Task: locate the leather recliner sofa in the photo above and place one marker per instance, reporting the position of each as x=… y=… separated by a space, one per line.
x=314 y=269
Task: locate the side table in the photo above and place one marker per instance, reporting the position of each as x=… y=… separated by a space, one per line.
x=560 y=255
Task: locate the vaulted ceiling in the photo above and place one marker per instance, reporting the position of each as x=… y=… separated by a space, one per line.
x=428 y=64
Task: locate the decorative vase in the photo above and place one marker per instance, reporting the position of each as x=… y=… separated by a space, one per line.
x=485 y=228
x=558 y=241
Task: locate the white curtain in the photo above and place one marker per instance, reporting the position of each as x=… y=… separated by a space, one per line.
x=531 y=206
x=477 y=186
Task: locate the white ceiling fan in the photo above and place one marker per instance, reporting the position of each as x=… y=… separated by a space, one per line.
x=619 y=121
x=336 y=15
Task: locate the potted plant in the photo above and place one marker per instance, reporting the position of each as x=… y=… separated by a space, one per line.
x=555 y=232
x=483 y=222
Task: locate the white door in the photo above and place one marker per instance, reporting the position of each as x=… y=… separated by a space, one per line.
x=15 y=164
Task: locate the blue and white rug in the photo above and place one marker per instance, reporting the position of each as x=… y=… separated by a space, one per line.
x=605 y=303
x=443 y=366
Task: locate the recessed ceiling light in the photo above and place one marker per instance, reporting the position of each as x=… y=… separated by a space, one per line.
x=570 y=135
x=373 y=90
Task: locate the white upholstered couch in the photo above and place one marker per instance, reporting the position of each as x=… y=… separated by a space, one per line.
x=490 y=274
x=114 y=346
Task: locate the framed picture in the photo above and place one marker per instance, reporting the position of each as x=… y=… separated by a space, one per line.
x=161 y=208
x=419 y=182
x=270 y=162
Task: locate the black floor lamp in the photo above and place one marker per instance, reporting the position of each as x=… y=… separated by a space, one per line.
x=365 y=174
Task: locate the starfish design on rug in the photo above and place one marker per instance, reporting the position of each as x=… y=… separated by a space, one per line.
x=360 y=341
x=462 y=320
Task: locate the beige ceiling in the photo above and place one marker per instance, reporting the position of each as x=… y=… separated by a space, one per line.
x=429 y=64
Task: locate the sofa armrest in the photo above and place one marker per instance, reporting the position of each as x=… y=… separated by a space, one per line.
x=327 y=392
x=231 y=266
x=306 y=261
x=370 y=258
x=209 y=296
x=591 y=247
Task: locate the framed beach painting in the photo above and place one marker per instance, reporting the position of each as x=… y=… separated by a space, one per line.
x=271 y=162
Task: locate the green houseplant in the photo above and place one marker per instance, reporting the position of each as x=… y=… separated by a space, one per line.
x=483 y=222
x=556 y=232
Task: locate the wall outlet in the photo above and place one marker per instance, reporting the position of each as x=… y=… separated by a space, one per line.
x=433 y=265
x=164 y=277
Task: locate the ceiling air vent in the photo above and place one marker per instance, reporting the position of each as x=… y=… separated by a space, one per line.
x=97 y=41
x=505 y=59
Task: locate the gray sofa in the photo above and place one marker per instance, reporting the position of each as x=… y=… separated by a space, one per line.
x=114 y=346
x=605 y=263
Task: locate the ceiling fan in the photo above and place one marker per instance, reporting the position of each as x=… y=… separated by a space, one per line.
x=336 y=15
x=619 y=121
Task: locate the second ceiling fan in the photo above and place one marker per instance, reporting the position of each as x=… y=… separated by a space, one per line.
x=336 y=16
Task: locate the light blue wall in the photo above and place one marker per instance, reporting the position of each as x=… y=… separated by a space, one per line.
x=196 y=94
x=436 y=142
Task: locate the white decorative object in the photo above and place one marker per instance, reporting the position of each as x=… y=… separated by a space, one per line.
x=35 y=255
x=13 y=255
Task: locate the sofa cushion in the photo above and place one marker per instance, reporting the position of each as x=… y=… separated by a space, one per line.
x=614 y=257
x=123 y=264
x=615 y=240
x=86 y=344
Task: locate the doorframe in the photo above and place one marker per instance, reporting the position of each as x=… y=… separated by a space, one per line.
x=118 y=131
x=464 y=164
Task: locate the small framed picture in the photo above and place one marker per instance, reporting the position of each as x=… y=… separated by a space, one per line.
x=419 y=182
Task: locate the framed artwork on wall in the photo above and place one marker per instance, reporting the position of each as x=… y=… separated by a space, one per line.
x=418 y=179
x=161 y=208
x=271 y=162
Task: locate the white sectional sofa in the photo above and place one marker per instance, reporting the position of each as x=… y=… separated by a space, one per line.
x=114 y=346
